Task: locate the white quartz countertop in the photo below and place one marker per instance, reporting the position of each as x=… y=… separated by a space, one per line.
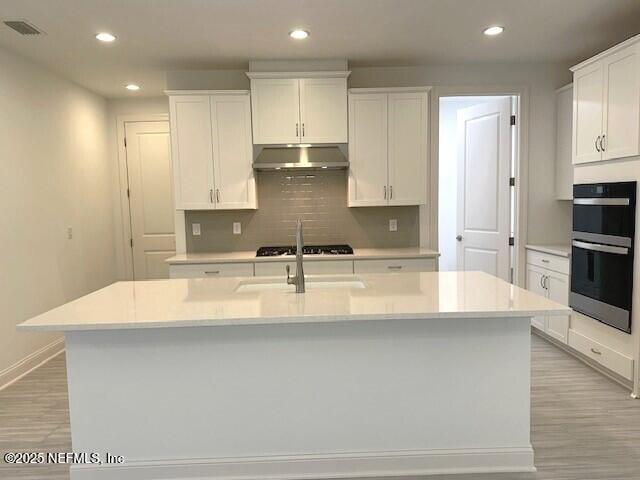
x=559 y=250
x=215 y=302
x=250 y=256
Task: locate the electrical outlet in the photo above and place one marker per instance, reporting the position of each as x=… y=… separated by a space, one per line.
x=237 y=228
x=195 y=227
x=393 y=225
x=70 y=233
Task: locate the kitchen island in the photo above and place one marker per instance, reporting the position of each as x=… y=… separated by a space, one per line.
x=362 y=375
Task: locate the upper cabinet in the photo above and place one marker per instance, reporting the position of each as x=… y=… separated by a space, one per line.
x=211 y=150
x=606 y=104
x=388 y=131
x=291 y=108
x=564 y=122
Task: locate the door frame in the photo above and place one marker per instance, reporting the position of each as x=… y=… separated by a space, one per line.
x=429 y=213
x=124 y=253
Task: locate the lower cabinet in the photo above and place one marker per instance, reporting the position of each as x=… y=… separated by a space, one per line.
x=390 y=265
x=553 y=285
x=605 y=356
x=211 y=270
x=310 y=268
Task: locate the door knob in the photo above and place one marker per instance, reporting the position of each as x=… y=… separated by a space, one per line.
x=459 y=238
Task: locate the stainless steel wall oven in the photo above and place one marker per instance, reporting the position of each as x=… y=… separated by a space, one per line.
x=602 y=252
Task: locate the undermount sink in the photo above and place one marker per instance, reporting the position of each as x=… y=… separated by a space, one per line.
x=312 y=283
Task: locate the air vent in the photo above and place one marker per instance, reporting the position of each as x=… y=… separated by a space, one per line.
x=22 y=27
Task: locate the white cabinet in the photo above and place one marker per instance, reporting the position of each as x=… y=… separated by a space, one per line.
x=388 y=147
x=564 y=163
x=290 y=110
x=212 y=150
x=547 y=275
x=606 y=105
x=322 y=267
x=395 y=265
x=206 y=270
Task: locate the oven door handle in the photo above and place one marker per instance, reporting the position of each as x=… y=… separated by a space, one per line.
x=598 y=247
x=602 y=201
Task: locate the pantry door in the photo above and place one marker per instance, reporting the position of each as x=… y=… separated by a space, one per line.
x=148 y=148
x=484 y=170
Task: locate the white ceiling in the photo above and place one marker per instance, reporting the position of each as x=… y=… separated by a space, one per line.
x=159 y=35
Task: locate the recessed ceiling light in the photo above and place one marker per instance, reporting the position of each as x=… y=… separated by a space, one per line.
x=299 y=34
x=132 y=86
x=105 y=37
x=492 y=31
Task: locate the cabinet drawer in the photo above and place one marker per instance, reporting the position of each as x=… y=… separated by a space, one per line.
x=607 y=357
x=552 y=262
x=401 y=265
x=211 y=270
x=310 y=268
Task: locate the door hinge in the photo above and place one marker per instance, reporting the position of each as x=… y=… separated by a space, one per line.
x=513 y=120
x=128 y=193
x=125 y=142
x=512 y=182
x=131 y=242
x=512 y=241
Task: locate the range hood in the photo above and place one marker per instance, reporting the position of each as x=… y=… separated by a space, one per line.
x=300 y=157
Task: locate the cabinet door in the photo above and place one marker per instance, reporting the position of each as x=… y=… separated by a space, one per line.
x=558 y=291
x=588 y=87
x=367 y=150
x=535 y=278
x=621 y=115
x=407 y=150
x=323 y=110
x=275 y=110
x=191 y=152
x=564 y=164
x=232 y=152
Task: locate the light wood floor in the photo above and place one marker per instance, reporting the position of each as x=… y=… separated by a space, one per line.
x=584 y=426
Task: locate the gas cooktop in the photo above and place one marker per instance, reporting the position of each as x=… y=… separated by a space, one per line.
x=307 y=250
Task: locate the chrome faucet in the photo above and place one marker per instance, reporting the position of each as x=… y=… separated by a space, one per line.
x=298 y=280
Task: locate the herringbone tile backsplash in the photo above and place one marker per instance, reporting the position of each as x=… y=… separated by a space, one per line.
x=320 y=199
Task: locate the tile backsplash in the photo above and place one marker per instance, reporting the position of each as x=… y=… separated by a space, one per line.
x=320 y=199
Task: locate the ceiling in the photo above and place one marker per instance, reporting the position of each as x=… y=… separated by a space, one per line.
x=155 y=36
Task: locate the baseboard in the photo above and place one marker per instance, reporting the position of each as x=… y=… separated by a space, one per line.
x=586 y=360
x=301 y=467
x=18 y=370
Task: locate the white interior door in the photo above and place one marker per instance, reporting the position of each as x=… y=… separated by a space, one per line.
x=151 y=198
x=484 y=157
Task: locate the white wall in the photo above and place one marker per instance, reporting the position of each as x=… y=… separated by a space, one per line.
x=549 y=221
x=55 y=173
x=119 y=109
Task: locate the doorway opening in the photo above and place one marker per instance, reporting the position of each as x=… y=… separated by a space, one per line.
x=478 y=145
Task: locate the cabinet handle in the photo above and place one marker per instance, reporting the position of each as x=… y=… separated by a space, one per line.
x=385 y=192
x=546 y=282
x=297 y=133
x=217 y=195
x=602 y=143
x=303 y=129
x=212 y=272
x=544 y=260
x=597 y=352
x=542 y=281
x=597 y=140
x=211 y=195
x=394 y=267
x=391 y=192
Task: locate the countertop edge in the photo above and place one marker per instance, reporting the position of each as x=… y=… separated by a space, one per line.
x=283 y=321
x=551 y=249
x=307 y=258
